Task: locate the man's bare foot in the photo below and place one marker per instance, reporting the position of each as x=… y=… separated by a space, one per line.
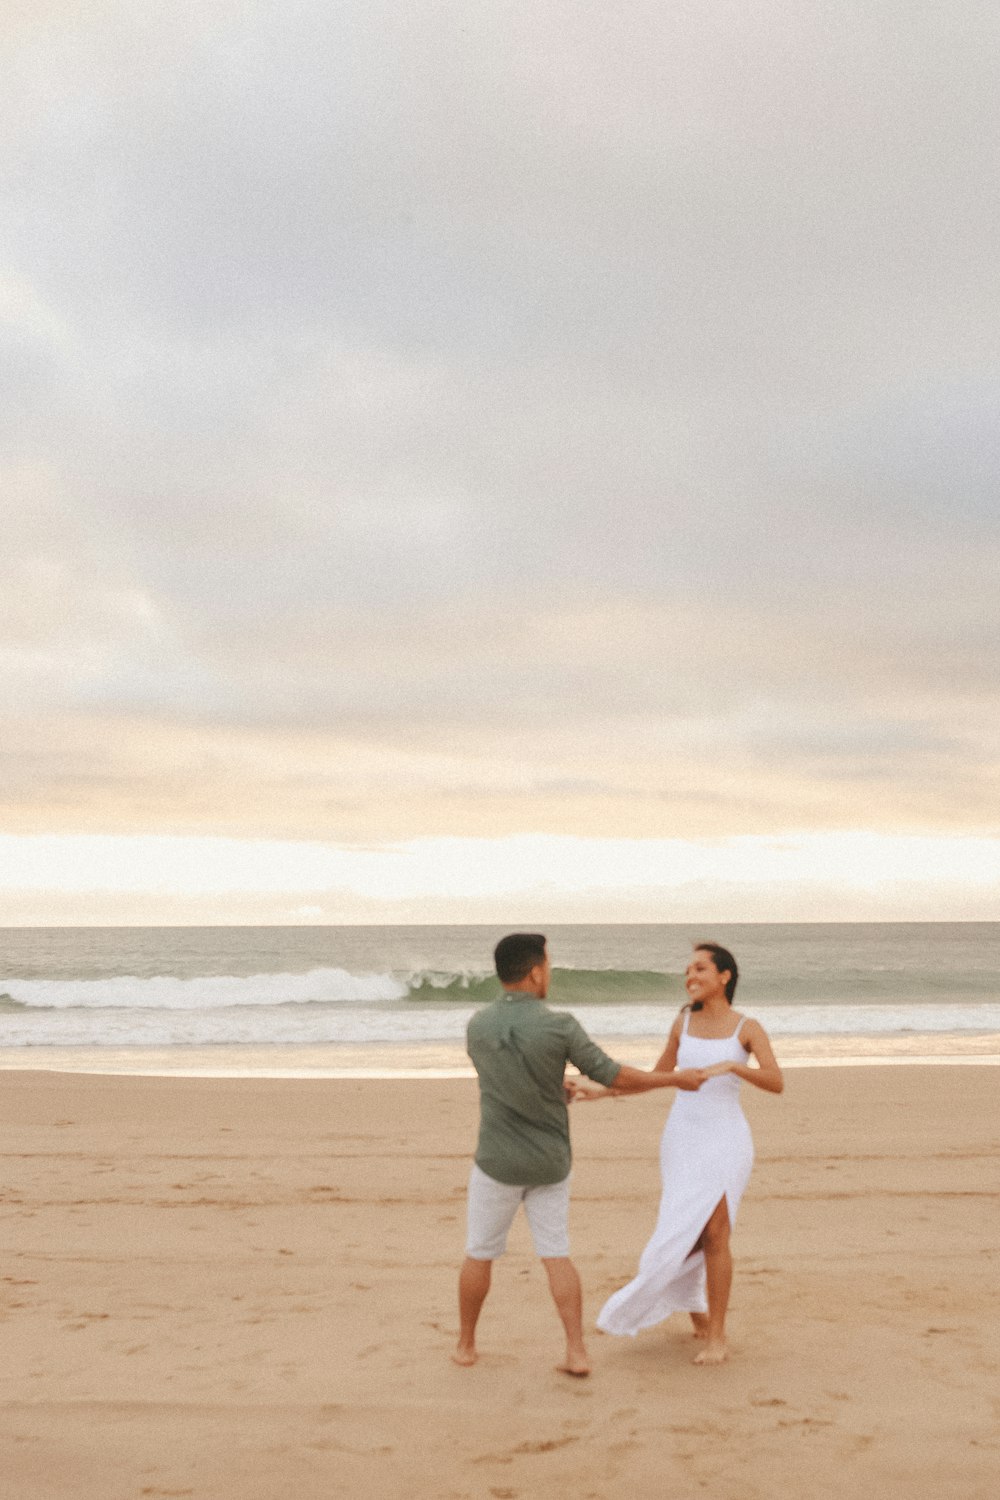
x=465 y=1356
x=715 y=1352
x=699 y=1323
x=576 y=1363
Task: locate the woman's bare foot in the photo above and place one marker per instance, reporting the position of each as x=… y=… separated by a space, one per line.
x=465 y=1354
x=576 y=1363
x=715 y=1352
x=699 y=1323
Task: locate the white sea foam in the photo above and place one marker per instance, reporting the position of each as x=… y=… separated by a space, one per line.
x=808 y=1020
x=352 y=1021
x=213 y=992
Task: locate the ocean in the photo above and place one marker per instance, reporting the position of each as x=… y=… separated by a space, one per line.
x=182 y=987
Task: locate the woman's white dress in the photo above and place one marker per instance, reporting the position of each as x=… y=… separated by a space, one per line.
x=706 y=1151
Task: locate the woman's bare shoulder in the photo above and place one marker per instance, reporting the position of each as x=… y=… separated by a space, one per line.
x=750 y=1029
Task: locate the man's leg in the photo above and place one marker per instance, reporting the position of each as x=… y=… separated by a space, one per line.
x=547 y=1209
x=473 y=1284
x=564 y=1284
x=491 y=1208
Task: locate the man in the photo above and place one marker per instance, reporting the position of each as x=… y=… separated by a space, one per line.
x=520 y=1049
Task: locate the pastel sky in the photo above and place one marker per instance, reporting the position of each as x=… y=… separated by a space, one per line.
x=531 y=457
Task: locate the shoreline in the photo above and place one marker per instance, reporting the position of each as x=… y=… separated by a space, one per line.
x=404 y=1060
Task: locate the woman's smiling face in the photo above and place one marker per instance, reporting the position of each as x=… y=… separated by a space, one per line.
x=702 y=980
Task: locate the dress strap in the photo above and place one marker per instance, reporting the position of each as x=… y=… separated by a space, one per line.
x=687 y=1017
x=736 y=1033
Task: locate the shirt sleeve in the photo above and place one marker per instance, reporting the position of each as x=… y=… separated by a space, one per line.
x=588 y=1056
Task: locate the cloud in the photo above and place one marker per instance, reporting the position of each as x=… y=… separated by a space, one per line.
x=418 y=419
x=852 y=877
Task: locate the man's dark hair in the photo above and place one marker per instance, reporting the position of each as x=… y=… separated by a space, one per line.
x=723 y=960
x=516 y=955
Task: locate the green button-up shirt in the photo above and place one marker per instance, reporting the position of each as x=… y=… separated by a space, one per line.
x=520 y=1049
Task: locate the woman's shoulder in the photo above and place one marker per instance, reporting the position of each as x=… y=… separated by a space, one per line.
x=749 y=1026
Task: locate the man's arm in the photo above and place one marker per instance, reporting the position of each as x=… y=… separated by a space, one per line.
x=637 y=1081
x=614 y=1077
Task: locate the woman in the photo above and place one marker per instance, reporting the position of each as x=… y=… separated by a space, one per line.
x=705 y=1157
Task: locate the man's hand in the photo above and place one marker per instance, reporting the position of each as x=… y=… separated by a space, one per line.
x=691 y=1079
x=718 y=1069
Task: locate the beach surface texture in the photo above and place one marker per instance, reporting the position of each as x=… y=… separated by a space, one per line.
x=244 y=1289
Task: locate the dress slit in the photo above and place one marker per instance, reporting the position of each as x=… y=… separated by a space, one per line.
x=698 y=1248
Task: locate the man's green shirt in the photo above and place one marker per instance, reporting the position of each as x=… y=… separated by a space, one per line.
x=520 y=1049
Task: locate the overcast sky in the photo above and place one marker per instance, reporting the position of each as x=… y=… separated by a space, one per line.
x=539 y=417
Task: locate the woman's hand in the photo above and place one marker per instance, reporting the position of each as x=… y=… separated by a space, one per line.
x=690 y=1080
x=767 y=1074
x=584 y=1091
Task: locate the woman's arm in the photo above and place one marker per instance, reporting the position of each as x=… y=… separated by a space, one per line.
x=767 y=1075
x=668 y=1057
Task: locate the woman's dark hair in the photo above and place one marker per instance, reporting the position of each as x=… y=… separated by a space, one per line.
x=723 y=960
x=516 y=955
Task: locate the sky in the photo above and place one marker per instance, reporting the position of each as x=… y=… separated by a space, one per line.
x=469 y=461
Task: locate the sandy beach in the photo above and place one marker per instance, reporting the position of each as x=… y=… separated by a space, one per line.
x=246 y=1288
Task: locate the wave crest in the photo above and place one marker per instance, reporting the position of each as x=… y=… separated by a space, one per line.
x=570 y=987
x=206 y=992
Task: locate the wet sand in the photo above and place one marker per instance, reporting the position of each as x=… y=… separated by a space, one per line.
x=243 y=1289
x=449 y=1059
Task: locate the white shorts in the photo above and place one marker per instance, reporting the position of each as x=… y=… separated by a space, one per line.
x=492 y=1206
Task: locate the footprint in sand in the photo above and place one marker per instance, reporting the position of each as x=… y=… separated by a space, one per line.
x=806 y=1422
x=545 y=1445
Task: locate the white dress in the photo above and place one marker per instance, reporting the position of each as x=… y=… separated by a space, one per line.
x=706 y=1151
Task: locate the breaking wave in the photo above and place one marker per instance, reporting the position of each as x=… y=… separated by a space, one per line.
x=205 y=992
x=324 y=987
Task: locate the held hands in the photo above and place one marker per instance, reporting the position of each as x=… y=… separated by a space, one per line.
x=580 y=1090
x=690 y=1080
x=583 y=1090
x=717 y=1069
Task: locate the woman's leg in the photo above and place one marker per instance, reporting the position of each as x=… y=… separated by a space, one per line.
x=714 y=1243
